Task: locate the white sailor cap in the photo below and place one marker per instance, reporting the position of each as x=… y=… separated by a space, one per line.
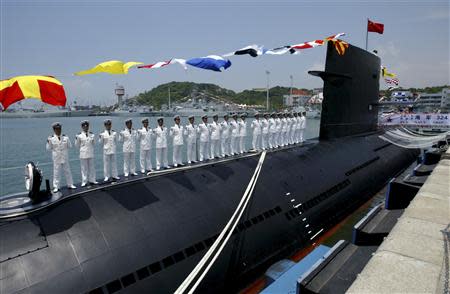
x=225 y=115
x=204 y=116
x=107 y=122
x=234 y=114
x=160 y=118
x=145 y=119
x=176 y=117
x=215 y=115
x=56 y=125
x=190 y=116
x=256 y=114
x=84 y=122
x=273 y=114
x=128 y=120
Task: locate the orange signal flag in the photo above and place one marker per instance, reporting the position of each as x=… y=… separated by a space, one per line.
x=45 y=88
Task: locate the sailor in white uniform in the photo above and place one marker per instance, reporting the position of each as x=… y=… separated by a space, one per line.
x=85 y=141
x=291 y=128
x=272 y=131
x=128 y=137
x=296 y=127
x=176 y=132
x=161 y=144
x=145 y=136
x=203 y=131
x=284 y=127
x=303 y=127
x=215 y=131
x=264 y=131
x=242 y=133
x=108 y=139
x=190 y=131
x=225 y=136
x=279 y=129
x=234 y=127
x=59 y=145
x=256 y=126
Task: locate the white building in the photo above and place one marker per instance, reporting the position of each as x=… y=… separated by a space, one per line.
x=432 y=102
x=298 y=98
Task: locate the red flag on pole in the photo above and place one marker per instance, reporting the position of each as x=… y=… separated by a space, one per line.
x=375 y=27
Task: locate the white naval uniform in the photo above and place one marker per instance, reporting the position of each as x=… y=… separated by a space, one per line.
x=85 y=142
x=290 y=124
x=161 y=147
x=109 y=139
x=265 y=133
x=145 y=136
x=191 y=140
x=297 y=130
x=128 y=136
x=177 y=133
x=215 y=129
x=272 y=133
x=242 y=134
x=278 y=133
x=284 y=126
x=203 y=131
x=234 y=127
x=256 y=126
x=59 y=147
x=302 y=129
x=225 y=138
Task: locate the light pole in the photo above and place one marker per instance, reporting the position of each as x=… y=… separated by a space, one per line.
x=267 y=96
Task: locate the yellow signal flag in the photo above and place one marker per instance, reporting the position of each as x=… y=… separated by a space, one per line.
x=385 y=73
x=114 y=67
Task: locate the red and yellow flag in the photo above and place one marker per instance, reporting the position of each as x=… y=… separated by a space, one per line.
x=340 y=46
x=45 y=88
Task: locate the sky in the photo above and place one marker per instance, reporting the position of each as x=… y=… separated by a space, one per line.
x=60 y=37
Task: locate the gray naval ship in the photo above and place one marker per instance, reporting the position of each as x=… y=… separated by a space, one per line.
x=147 y=234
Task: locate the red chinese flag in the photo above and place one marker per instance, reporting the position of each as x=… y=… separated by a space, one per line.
x=375 y=27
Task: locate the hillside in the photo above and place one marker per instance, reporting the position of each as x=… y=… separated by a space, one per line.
x=179 y=91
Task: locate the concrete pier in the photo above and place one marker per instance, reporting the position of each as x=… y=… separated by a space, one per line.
x=414 y=257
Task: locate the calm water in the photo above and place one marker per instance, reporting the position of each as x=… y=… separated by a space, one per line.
x=23 y=140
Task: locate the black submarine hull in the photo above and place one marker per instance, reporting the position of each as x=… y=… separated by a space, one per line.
x=147 y=235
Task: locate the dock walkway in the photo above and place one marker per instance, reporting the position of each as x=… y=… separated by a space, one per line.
x=414 y=258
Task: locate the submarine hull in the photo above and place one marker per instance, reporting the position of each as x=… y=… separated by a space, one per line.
x=149 y=235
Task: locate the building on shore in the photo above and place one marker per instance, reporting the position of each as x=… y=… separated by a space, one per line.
x=433 y=102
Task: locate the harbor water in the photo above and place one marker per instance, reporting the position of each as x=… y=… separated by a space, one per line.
x=23 y=140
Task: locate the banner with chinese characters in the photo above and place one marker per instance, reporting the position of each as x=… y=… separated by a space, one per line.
x=425 y=120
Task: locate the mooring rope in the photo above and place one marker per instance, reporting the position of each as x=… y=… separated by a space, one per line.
x=192 y=281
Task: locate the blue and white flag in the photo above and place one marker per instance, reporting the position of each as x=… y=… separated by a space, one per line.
x=211 y=62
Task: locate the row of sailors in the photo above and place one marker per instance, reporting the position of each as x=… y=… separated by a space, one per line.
x=216 y=140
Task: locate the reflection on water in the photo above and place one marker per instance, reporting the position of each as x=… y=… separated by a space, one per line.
x=23 y=140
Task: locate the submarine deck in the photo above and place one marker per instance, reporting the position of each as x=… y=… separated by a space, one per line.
x=19 y=204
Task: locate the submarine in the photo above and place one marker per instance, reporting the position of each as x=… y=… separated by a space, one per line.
x=151 y=233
